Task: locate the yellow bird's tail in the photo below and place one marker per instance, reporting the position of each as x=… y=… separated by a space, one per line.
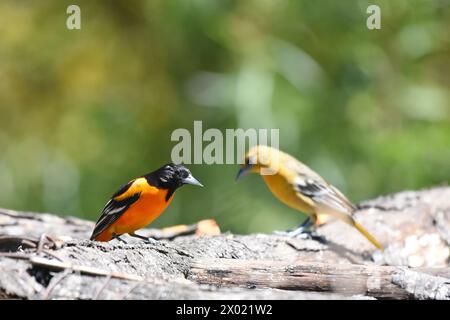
x=349 y=220
x=369 y=237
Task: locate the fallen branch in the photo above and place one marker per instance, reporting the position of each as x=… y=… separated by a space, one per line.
x=374 y=281
x=62 y=266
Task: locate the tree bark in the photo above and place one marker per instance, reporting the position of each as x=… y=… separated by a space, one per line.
x=43 y=256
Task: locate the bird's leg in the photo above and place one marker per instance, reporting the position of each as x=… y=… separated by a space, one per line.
x=146 y=239
x=305 y=229
x=116 y=236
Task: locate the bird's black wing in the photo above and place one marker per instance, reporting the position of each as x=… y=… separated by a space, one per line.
x=114 y=209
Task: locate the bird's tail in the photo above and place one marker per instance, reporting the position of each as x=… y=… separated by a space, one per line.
x=369 y=237
x=349 y=219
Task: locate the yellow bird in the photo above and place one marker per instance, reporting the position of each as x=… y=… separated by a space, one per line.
x=300 y=188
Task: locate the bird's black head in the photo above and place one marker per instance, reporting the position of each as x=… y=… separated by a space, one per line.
x=171 y=177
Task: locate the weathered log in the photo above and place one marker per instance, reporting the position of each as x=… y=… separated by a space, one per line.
x=371 y=280
x=43 y=256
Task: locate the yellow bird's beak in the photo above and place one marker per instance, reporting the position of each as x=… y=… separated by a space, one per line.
x=243 y=171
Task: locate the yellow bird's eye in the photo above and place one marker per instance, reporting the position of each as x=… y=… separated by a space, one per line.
x=252 y=160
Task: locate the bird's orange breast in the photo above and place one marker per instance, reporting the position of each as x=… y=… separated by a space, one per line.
x=151 y=203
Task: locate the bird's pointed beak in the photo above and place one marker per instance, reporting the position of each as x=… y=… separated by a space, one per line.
x=191 y=180
x=243 y=172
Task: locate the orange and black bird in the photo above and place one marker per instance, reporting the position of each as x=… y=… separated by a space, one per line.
x=300 y=188
x=139 y=202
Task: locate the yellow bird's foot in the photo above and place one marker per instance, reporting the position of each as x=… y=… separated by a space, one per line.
x=304 y=231
x=297 y=233
x=302 y=234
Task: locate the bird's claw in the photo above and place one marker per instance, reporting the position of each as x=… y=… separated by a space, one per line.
x=300 y=234
x=150 y=240
x=119 y=238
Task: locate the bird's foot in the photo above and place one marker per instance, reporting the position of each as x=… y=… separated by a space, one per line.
x=306 y=230
x=299 y=233
x=119 y=238
x=151 y=240
x=148 y=240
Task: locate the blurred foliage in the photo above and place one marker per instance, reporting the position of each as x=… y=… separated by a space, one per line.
x=84 y=111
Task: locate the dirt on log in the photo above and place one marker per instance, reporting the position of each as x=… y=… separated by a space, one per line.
x=44 y=256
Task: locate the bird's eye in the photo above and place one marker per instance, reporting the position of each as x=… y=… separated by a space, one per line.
x=184 y=174
x=250 y=160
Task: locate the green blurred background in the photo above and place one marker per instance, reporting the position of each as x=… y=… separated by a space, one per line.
x=84 y=111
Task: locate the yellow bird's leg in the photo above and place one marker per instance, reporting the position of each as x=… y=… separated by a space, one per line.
x=305 y=229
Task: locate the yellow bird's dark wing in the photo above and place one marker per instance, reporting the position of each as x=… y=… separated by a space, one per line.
x=114 y=208
x=323 y=195
x=312 y=189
